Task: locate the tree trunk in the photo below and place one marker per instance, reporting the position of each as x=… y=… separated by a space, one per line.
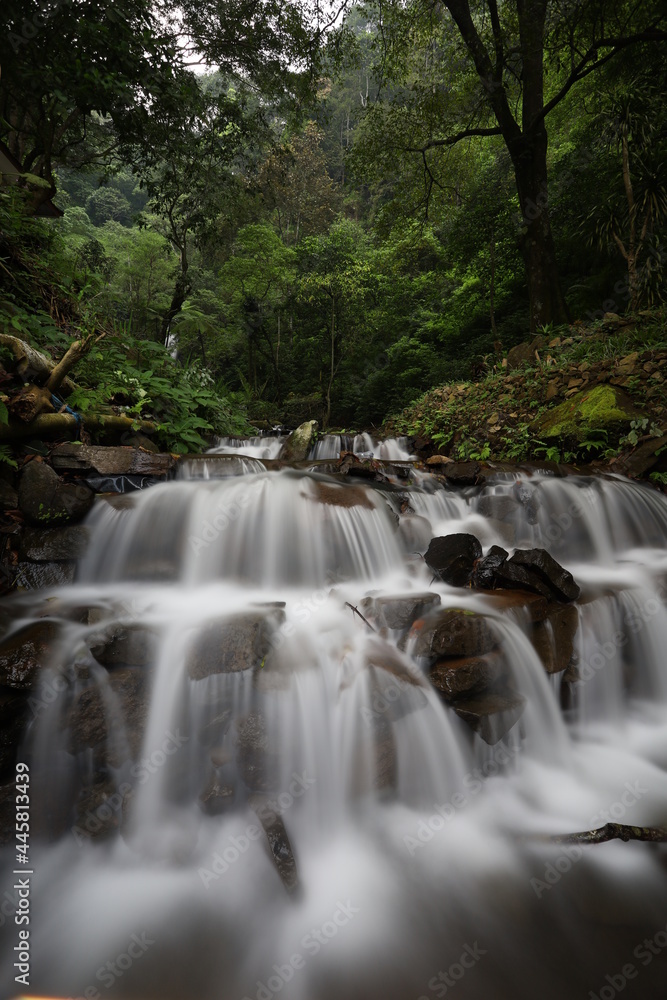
x=180 y=294
x=332 y=369
x=545 y=296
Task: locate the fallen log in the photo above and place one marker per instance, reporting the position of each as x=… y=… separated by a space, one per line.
x=30 y=362
x=68 y=426
x=603 y=834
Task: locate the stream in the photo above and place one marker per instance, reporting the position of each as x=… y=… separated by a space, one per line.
x=290 y=809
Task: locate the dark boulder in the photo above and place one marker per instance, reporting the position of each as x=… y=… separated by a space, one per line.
x=452 y=557
x=124 y=645
x=492 y=714
x=233 y=644
x=452 y=632
x=46 y=500
x=468 y=675
x=24 y=652
x=43 y=545
x=535 y=569
x=553 y=638
x=485 y=569
x=463 y=473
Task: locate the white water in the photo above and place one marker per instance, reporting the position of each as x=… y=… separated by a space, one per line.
x=411 y=835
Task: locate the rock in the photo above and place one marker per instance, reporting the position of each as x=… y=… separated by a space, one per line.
x=452 y=557
x=216 y=798
x=467 y=675
x=92 y=718
x=213 y=732
x=491 y=715
x=124 y=645
x=500 y=506
x=603 y=407
x=535 y=606
x=258 y=765
x=385 y=758
x=279 y=845
x=414 y=532
x=340 y=496
x=8 y=817
x=463 y=473
x=519 y=355
x=535 y=569
x=54 y=544
x=642 y=459
x=529 y=498
x=116 y=461
x=141 y=441
x=47 y=501
x=485 y=569
x=35 y=576
x=452 y=632
x=299 y=443
x=99 y=811
x=397 y=612
x=553 y=638
x=233 y=644
x=24 y=652
x=439 y=460
x=9 y=498
x=10 y=737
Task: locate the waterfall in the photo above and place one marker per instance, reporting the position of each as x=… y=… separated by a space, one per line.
x=288 y=808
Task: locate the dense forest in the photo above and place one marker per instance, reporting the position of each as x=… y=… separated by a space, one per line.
x=267 y=212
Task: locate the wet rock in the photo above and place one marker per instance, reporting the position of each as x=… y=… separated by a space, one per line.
x=340 y=496
x=385 y=758
x=299 y=443
x=521 y=354
x=279 y=845
x=24 y=652
x=213 y=732
x=39 y=575
x=233 y=644
x=554 y=637
x=535 y=606
x=397 y=612
x=44 y=545
x=414 y=533
x=467 y=675
x=257 y=762
x=99 y=811
x=216 y=798
x=500 y=506
x=463 y=473
x=485 y=569
x=396 y=689
x=453 y=632
x=535 y=569
x=529 y=498
x=439 y=460
x=491 y=715
x=124 y=645
x=93 y=718
x=10 y=737
x=115 y=461
x=46 y=500
x=452 y=557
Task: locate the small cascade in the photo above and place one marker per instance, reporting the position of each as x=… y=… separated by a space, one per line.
x=241 y=759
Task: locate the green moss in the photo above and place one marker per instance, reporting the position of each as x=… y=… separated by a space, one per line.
x=599 y=408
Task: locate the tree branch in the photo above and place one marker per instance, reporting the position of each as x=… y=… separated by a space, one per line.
x=612 y=831
x=453 y=139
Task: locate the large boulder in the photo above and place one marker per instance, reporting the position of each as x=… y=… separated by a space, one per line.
x=24 y=652
x=47 y=501
x=111 y=461
x=468 y=675
x=452 y=557
x=601 y=408
x=299 y=443
x=124 y=645
x=44 y=545
x=452 y=632
x=535 y=569
x=398 y=612
x=233 y=644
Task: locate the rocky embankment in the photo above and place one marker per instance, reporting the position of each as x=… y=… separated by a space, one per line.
x=587 y=395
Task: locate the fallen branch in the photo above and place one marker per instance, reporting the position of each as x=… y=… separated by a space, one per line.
x=67 y=425
x=72 y=355
x=31 y=362
x=612 y=831
x=358 y=612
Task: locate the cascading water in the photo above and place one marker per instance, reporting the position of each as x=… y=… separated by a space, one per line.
x=291 y=810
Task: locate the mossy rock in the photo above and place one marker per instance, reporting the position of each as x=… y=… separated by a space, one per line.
x=604 y=407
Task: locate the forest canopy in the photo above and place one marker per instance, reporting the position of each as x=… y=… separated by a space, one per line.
x=275 y=211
